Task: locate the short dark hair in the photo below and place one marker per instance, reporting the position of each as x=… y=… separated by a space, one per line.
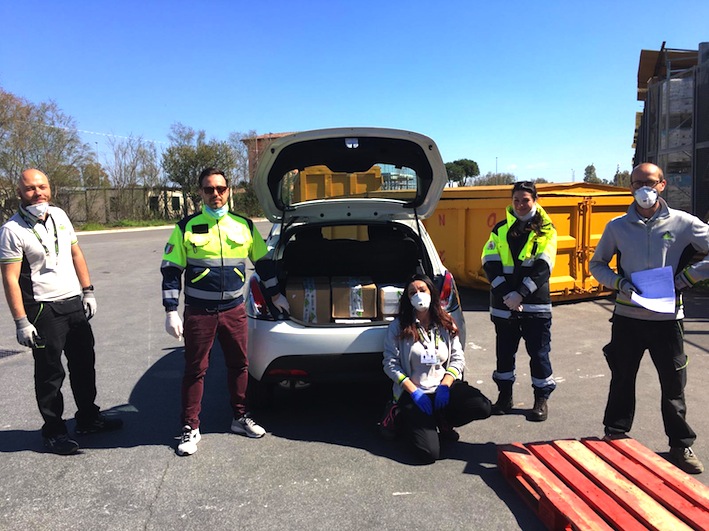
x=208 y=172
x=525 y=186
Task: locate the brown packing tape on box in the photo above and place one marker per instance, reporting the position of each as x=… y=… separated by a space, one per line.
x=354 y=297
x=309 y=299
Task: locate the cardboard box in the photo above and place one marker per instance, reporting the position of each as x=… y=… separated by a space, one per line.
x=389 y=300
x=309 y=299
x=354 y=297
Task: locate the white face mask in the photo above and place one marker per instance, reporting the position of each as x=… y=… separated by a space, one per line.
x=645 y=197
x=38 y=210
x=420 y=301
x=529 y=215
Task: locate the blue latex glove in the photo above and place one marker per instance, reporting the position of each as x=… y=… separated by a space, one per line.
x=443 y=395
x=422 y=401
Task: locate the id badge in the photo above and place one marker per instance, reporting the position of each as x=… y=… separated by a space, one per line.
x=50 y=262
x=429 y=356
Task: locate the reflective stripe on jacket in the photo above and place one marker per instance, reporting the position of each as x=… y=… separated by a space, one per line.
x=527 y=273
x=212 y=254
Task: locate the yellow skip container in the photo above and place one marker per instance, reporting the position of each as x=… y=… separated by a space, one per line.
x=462 y=222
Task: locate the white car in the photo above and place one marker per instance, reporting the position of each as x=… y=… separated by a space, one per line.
x=347 y=206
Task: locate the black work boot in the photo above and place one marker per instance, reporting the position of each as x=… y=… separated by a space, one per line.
x=540 y=411
x=504 y=399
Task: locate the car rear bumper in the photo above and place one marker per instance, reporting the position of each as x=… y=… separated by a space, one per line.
x=323 y=353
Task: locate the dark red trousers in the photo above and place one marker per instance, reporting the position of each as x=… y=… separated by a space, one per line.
x=201 y=329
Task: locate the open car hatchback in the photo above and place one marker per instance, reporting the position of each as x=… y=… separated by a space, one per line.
x=347 y=207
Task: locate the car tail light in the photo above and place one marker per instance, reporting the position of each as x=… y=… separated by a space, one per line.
x=449 y=293
x=257 y=306
x=287 y=373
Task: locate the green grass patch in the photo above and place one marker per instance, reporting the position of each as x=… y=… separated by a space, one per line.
x=123 y=224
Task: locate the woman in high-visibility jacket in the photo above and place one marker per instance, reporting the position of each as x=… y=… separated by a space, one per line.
x=518 y=259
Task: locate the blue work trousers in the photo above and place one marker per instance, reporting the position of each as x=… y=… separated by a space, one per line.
x=536 y=332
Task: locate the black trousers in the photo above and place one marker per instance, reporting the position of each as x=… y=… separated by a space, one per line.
x=63 y=327
x=465 y=405
x=630 y=338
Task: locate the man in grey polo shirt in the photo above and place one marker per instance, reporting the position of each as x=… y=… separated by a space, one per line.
x=49 y=292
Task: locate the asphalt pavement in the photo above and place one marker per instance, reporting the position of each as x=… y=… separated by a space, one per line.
x=322 y=464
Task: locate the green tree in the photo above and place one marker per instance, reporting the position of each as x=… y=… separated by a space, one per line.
x=134 y=162
x=491 y=179
x=245 y=201
x=132 y=166
x=470 y=167
x=461 y=169
x=589 y=175
x=93 y=175
x=40 y=136
x=455 y=172
x=622 y=178
x=240 y=153
x=188 y=154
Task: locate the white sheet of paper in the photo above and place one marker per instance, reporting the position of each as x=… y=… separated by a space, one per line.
x=658 y=289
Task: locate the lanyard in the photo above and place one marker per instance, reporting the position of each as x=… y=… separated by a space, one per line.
x=31 y=225
x=424 y=337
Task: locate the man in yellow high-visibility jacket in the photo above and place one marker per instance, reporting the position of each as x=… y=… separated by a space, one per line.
x=211 y=248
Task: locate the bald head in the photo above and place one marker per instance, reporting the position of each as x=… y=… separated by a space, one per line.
x=647 y=171
x=33 y=187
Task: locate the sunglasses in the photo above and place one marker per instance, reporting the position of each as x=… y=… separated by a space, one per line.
x=209 y=190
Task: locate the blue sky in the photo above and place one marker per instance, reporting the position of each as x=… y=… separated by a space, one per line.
x=538 y=89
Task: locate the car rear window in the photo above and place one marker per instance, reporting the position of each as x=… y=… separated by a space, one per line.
x=320 y=182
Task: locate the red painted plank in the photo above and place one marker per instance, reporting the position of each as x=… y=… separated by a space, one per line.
x=591 y=493
x=646 y=479
x=556 y=505
x=686 y=485
x=632 y=497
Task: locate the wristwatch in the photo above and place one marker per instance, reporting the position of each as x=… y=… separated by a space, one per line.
x=88 y=288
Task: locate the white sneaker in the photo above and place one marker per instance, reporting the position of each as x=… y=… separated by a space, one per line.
x=188 y=441
x=246 y=426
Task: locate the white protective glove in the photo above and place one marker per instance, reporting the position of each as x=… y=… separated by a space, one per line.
x=513 y=300
x=89 y=302
x=681 y=282
x=627 y=288
x=26 y=332
x=280 y=302
x=173 y=324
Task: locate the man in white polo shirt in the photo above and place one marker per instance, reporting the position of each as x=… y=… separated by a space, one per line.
x=49 y=292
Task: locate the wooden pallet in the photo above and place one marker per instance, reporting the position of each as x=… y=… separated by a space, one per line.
x=602 y=485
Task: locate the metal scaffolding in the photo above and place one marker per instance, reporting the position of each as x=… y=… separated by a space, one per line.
x=673 y=129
